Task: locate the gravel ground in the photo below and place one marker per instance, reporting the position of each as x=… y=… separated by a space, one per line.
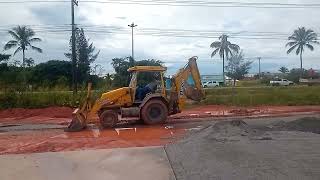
x=237 y=150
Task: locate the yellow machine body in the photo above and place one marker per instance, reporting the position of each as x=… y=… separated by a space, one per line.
x=123 y=99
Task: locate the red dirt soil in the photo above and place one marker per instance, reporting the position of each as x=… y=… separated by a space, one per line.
x=57 y=140
x=62 y=115
x=258 y=111
x=50 y=140
x=50 y=115
x=50 y=112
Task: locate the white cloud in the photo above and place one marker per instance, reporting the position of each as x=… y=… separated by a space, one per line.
x=175 y=51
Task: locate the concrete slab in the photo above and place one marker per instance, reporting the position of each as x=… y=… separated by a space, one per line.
x=112 y=164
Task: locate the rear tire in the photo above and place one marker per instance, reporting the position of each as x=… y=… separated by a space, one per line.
x=154 y=112
x=108 y=118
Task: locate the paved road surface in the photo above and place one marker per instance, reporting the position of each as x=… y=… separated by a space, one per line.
x=112 y=164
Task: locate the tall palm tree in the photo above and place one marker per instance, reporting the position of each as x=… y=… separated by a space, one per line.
x=22 y=39
x=300 y=39
x=225 y=48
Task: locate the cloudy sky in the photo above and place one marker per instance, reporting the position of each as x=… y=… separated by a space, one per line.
x=260 y=32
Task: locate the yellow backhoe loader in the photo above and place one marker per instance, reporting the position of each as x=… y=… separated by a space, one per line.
x=152 y=103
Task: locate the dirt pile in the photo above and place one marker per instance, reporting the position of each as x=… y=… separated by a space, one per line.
x=307 y=124
x=225 y=131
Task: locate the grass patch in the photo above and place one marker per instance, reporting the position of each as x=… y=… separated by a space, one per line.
x=43 y=99
x=263 y=96
x=220 y=96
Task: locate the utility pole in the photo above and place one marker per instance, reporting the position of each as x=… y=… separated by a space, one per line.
x=132 y=25
x=259 y=58
x=73 y=47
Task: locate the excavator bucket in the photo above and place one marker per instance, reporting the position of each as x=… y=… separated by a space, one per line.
x=193 y=93
x=79 y=116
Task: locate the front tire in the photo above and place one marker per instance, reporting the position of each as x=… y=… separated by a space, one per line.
x=108 y=118
x=154 y=112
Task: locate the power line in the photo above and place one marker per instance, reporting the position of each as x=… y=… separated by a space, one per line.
x=147 y=30
x=100 y=29
x=183 y=3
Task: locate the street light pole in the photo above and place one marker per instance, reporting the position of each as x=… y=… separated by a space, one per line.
x=73 y=48
x=132 y=25
x=259 y=58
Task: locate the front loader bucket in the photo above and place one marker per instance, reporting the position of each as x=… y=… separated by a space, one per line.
x=79 y=116
x=78 y=122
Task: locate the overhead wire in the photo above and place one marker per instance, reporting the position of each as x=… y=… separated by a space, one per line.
x=179 y=33
x=199 y=3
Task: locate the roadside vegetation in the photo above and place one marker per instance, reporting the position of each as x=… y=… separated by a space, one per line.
x=230 y=96
x=25 y=84
x=264 y=96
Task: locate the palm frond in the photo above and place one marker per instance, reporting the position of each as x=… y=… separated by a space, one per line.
x=234 y=47
x=14 y=35
x=292 y=48
x=228 y=51
x=29 y=33
x=311 y=36
x=314 y=42
x=10 y=44
x=215 y=52
x=17 y=50
x=215 y=44
x=34 y=40
x=292 y=43
x=293 y=37
x=310 y=47
x=36 y=49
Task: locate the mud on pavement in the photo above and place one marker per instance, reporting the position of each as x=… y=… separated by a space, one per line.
x=41 y=130
x=53 y=140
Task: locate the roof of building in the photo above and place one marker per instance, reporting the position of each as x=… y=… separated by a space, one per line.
x=147 y=68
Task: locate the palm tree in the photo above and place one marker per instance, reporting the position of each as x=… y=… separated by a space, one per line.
x=225 y=48
x=283 y=70
x=22 y=39
x=300 y=39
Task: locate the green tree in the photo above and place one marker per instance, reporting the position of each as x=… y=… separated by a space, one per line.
x=300 y=39
x=225 y=48
x=51 y=73
x=23 y=37
x=108 y=78
x=29 y=62
x=237 y=67
x=283 y=70
x=295 y=74
x=122 y=76
x=4 y=57
x=85 y=55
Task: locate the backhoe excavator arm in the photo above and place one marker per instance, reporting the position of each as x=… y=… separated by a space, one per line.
x=181 y=89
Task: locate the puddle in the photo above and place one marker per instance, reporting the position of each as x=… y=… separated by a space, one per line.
x=219 y=113
x=94 y=138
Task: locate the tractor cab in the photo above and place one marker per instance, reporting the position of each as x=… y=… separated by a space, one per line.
x=146 y=80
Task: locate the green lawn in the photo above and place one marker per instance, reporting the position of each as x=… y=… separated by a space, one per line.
x=293 y=95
